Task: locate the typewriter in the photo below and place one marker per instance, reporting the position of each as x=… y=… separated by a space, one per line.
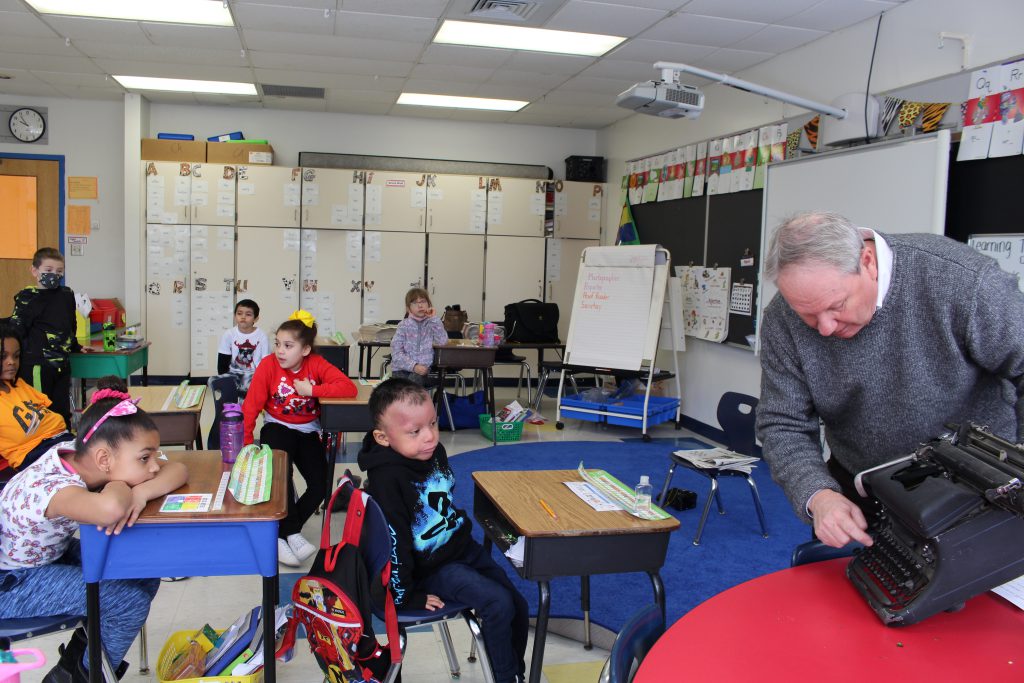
x=949 y=525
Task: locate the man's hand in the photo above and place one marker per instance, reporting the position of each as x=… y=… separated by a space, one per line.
x=837 y=521
x=434 y=603
x=421 y=370
x=303 y=387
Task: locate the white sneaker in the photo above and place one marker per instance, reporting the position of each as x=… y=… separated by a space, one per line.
x=302 y=548
x=285 y=555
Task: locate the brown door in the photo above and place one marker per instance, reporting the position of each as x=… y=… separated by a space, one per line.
x=14 y=272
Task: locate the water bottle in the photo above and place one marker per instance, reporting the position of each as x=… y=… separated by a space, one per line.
x=232 y=432
x=109 y=335
x=643 y=495
x=488 y=339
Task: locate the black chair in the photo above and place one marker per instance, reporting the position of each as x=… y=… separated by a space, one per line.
x=546 y=369
x=224 y=391
x=736 y=415
x=632 y=644
x=17 y=630
x=816 y=551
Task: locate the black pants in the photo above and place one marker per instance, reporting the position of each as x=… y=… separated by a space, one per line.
x=55 y=382
x=306 y=453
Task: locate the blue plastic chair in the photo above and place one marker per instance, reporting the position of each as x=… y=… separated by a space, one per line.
x=376 y=550
x=632 y=644
x=16 y=630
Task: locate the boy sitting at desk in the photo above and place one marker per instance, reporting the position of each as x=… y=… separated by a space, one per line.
x=435 y=558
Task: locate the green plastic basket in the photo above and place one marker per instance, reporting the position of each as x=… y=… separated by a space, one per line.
x=506 y=431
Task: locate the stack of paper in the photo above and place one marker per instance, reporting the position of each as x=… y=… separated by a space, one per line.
x=513 y=412
x=718 y=458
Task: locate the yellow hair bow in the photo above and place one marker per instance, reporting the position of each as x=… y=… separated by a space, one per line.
x=305 y=317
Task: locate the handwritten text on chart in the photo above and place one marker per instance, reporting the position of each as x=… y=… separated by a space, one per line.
x=997 y=249
x=595 y=290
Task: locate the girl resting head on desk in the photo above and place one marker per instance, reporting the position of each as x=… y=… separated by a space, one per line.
x=104 y=477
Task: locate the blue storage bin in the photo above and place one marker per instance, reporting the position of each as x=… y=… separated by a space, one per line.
x=659 y=409
x=574 y=401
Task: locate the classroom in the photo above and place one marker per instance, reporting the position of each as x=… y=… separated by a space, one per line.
x=342 y=197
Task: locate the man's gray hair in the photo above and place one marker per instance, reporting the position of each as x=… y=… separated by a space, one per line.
x=814 y=237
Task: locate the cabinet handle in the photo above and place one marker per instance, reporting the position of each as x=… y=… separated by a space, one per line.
x=295 y=215
x=305 y=215
x=540 y=288
x=421 y=220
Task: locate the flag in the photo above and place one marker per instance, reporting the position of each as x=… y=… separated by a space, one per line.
x=627 y=229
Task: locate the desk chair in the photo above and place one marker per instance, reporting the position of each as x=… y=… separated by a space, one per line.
x=376 y=550
x=739 y=437
x=632 y=644
x=224 y=390
x=546 y=369
x=16 y=630
x=816 y=551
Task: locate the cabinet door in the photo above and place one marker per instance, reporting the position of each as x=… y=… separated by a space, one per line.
x=514 y=270
x=331 y=273
x=393 y=262
x=168 y=189
x=395 y=201
x=579 y=208
x=455 y=272
x=213 y=194
x=515 y=206
x=267 y=272
x=269 y=196
x=332 y=198
x=562 y=267
x=456 y=204
x=212 y=293
x=167 y=300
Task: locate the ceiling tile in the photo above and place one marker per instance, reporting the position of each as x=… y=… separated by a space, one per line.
x=832 y=15
x=410 y=8
x=13 y=6
x=578 y=98
x=526 y=118
x=464 y=55
x=505 y=91
x=443 y=72
x=178 y=36
x=777 y=39
x=728 y=60
x=23 y=24
x=46 y=63
x=369 y=67
x=366 y=25
x=434 y=87
x=294 y=103
x=333 y=46
x=596 y=17
x=37 y=46
x=544 y=63
x=272 y=17
x=29 y=86
x=86 y=93
x=617 y=68
x=367 y=96
x=772 y=12
x=506 y=76
x=344 y=104
x=669 y=5
x=170 y=97
x=480 y=115
x=200 y=71
x=164 y=54
x=329 y=80
x=651 y=51
x=607 y=86
x=84 y=80
x=701 y=30
x=81 y=28
x=309 y=4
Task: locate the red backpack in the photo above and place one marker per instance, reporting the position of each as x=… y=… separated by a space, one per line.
x=334 y=602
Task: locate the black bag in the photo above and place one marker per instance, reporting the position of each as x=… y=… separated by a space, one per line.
x=531 y=320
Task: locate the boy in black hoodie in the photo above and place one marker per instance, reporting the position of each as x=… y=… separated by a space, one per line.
x=436 y=558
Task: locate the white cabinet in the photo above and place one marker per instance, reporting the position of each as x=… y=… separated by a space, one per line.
x=168 y=192
x=331 y=274
x=393 y=262
x=514 y=268
x=268 y=272
x=167 y=298
x=456 y=204
x=332 y=199
x=562 y=265
x=212 y=294
x=269 y=196
x=212 y=198
x=579 y=209
x=455 y=272
x=395 y=201
x=515 y=206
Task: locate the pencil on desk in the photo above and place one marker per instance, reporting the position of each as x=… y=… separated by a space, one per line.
x=547 y=507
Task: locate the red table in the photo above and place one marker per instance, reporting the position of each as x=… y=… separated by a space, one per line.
x=809 y=623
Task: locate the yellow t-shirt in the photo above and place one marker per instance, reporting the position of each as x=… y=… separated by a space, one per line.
x=25 y=420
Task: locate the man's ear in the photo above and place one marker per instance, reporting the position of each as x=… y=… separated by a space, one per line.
x=381 y=438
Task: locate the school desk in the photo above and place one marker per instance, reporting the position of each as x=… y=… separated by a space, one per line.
x=368 y=348
x=338 y=416
x=237 y=539
x=809 y=623
x=334 y=353
x=98 y=363
x=459 y=354
x=177 y=426
x=580 y=542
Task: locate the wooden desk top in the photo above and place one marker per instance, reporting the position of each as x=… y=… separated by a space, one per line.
x=96 y=349
x=154 y=399
x=517 y=496
x=362 y=398
x=204 y=473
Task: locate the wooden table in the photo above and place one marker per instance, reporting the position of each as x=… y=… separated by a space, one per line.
x=338 y=416
x=460 y=354
x=809 y=623
x=334 y=353
x=177 y=426
x=238 y=539
x=98 y=363
x=580 y=542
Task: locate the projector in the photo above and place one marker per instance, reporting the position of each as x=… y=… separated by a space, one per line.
x=665 y=99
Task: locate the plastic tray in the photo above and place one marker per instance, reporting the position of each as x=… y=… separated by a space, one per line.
x=177 y=643
x=506 y=431
x=624 y=412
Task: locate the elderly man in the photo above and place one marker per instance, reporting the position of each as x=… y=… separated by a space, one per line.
x=885 y=339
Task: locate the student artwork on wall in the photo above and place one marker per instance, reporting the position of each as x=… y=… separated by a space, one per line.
x=993 y=116
x=705 y=301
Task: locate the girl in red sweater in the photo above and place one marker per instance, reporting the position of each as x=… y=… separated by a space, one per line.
x=285 y=387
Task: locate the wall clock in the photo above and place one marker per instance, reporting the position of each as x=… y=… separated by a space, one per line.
x=26 y=124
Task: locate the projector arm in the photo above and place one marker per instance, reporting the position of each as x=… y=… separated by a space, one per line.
x=670 y=71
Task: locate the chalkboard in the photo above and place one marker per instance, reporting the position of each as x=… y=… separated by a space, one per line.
x=678 y=225
x=983 y=196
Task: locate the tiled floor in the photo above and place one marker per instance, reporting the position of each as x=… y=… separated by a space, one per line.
x=218 y=601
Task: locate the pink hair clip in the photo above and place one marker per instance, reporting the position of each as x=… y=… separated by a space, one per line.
x=109 y=393
x=125 y=407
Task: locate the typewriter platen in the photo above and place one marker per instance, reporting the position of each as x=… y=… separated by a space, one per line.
x=950 y=526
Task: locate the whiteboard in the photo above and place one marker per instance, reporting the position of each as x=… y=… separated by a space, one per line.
x=1007 y=250
x=894 y=187
x=616 y=312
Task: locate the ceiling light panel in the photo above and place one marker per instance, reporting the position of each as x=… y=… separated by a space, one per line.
x=210 y=12
x=185 y=85
x=522 y=38
x=450 y=101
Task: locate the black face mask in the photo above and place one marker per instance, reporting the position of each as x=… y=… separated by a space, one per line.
x=50 y=280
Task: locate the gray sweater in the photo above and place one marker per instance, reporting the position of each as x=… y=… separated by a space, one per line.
x=947 y=345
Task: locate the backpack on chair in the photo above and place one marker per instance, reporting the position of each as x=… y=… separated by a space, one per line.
x=333 y=602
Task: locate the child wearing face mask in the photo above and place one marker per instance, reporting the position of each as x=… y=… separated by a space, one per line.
x=44 y=318
x=412 y=347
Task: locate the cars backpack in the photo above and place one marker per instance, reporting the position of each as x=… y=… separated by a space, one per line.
x=333 y=602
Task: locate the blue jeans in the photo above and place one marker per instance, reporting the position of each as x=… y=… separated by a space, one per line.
x=475 y=580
